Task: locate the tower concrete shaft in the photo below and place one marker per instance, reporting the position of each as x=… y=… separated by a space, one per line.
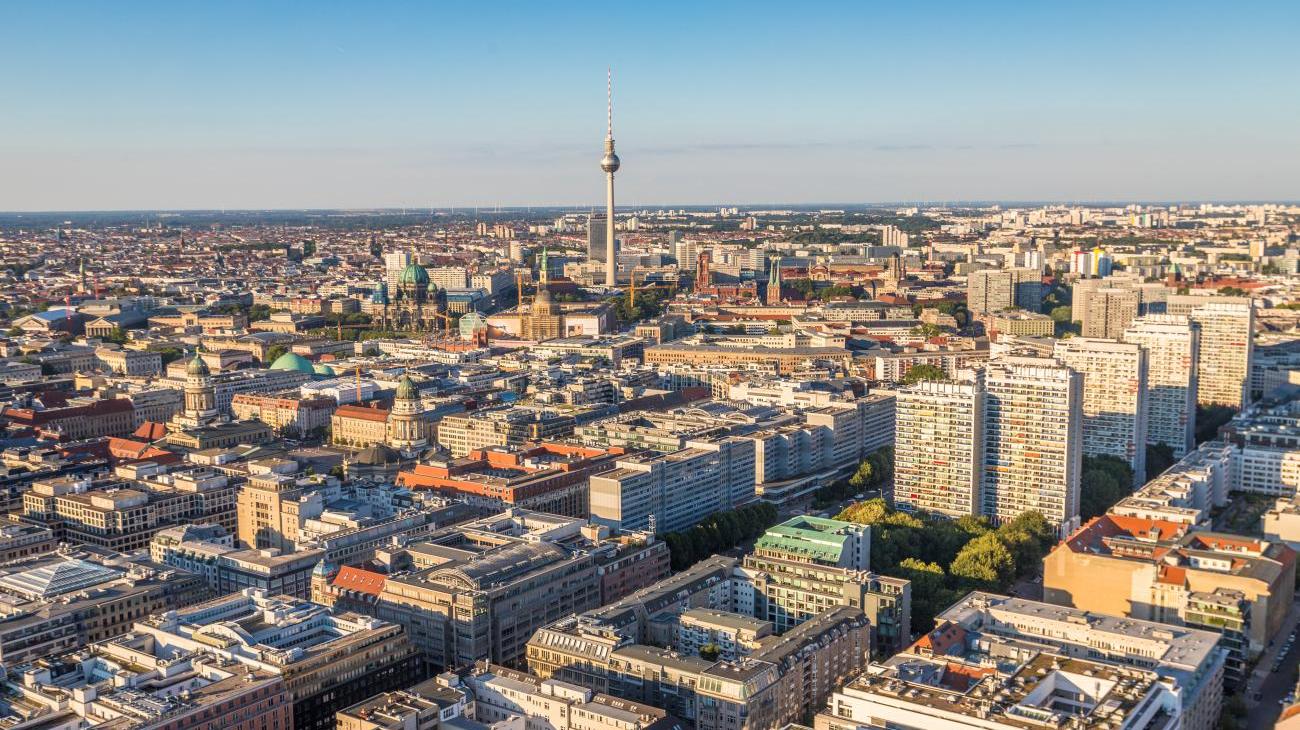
x=610 y=164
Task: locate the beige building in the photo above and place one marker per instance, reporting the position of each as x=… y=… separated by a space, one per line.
x=292 y=415
x=1223 y=364
x=1114 y=398
x=1163 y=571
x=359 y=426
x=124 y=516
x=462 y=433
x=994 y=290
x=1022 y=323
x=508 y=698
x=1172 y=346
x=1107 y=312
x=428 y=705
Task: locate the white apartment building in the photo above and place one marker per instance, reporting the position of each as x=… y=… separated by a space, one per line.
x=1223 y=365
x=1032 y=440
x=1172 y=344
x=938 y=445
x=1114 y=398
x=674 y=491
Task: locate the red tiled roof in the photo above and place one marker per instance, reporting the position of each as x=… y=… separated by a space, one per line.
x=150 y=431
x=362 y=581
x=362 y=412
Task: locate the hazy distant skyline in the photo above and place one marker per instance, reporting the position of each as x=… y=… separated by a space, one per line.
x=144 y=105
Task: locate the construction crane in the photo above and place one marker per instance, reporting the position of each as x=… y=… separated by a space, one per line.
x=632 y=287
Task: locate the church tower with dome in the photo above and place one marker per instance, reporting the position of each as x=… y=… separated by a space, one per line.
x=200 y=396
x=417 y=303
x=407 y=429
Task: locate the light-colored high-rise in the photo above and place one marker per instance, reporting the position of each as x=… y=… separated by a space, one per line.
x=1032 y=439
x=1171 y=342
x=1107 y=311
x=1227 y=346
x=998 y=289
x=395 y=262
x=938 y=447
x=1114 y=398
x=610 y=164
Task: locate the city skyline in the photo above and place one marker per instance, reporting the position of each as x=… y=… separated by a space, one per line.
x=250 y=107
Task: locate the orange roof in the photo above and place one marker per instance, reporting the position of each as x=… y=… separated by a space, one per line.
x=1165 y=529
x=364 y=413
x=362 y=581
x=1173 y=575
x=150 y=431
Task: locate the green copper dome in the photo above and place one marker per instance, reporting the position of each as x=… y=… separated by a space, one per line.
x=414 y=274
x=406 y=389
x=293 y=361
x=323 y=369
x=197 y=366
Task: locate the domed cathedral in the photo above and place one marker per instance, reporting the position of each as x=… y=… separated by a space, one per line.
x=418 y=304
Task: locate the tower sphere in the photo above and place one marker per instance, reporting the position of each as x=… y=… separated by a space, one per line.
x=609 y=163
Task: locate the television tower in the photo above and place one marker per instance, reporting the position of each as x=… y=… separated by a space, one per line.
x=609 y=163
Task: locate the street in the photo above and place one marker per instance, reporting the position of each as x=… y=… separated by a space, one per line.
x=1272 y=686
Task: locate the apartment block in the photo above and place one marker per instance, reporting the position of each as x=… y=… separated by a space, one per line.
x=1172 y=346
x=1114 y=398
x=1107 y=312
x=1032 y=440
x=938 y=448
x=993 y=290
x=1223 y=365
x=673 y=491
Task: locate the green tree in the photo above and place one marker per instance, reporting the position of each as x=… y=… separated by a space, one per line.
x=274 y=352
x=930 y=594
x=1209 y=419
x=1159 y=458
x=984 y=562
x=864 y=477
x=710 y=652
x=918 y=373
x=1062 y=314
x=1105 y=481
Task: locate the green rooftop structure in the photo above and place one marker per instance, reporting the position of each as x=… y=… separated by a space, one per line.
x=820 y=541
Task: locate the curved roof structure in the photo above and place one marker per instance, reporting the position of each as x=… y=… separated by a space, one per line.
x=293 y=361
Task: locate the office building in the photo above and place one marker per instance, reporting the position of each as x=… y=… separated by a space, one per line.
x=123 y=516
x=1032 y=440
x=1171 y=343
x=1008 y=663
x=60 y=602
x=477 y=591
x=327 y=660
x=512 y=426
x=504 y=697
x=441 y=702
x=938 y=448
x=209 y=551
x=1168 y=572
x=1114 y=398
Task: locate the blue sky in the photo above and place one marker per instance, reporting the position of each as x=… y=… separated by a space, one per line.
x=143 y=105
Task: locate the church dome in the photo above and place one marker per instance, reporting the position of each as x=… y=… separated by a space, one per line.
x=414 y=274
x=293 y=361
x=197 y=366
x=406 y=389
x=323 y=369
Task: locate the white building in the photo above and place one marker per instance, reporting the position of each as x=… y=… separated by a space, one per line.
x=1032 y=440
x=1114 y=398
x=1171 y=343
x=1223 y=366
x=938 y=447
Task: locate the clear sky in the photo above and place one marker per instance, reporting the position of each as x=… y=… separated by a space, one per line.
x=218 y=104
